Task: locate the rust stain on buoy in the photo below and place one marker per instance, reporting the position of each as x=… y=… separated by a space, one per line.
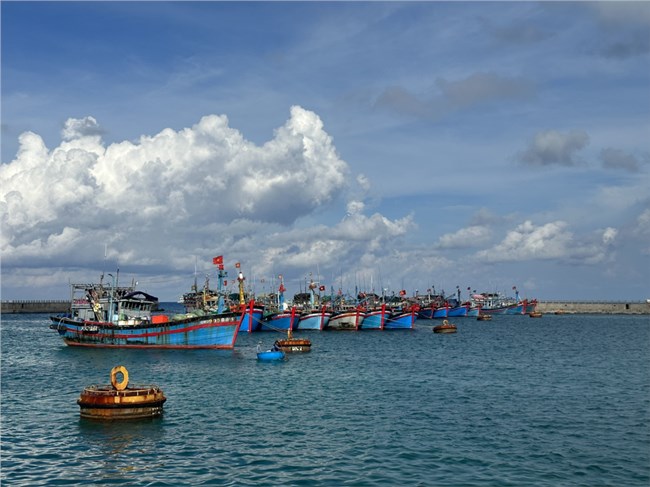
x=119 y=401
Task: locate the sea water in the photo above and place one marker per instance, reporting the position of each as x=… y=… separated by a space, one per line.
x=558 y=401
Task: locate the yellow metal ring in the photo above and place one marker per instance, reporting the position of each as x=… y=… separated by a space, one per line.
x=120 y=386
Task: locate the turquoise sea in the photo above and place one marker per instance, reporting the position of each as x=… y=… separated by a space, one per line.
x=557 y=401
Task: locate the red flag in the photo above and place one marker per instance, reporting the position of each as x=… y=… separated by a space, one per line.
x=237 y=265
x=217 y=260
x=282 y=288
x=402 y=292
x=322 y=288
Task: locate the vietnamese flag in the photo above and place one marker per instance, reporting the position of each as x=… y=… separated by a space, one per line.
x=237 y=265
x=217 y=260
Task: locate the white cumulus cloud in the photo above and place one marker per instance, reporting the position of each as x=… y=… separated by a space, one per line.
x=529 y=242
x=472 y=236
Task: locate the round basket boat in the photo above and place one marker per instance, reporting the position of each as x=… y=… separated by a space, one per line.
x=118 y=400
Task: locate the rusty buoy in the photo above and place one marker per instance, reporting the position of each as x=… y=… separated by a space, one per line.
x=118 y=400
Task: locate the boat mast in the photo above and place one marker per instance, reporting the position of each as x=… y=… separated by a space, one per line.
x=241 y=278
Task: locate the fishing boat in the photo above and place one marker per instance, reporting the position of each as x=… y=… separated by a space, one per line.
x=401 y=320
x=429 y=303
x=347 y=318
x=446 y=327
x=496 y=303
x=313 y=317
x=376 y=318
x=112 y=316
x=211 y=301
x=280 y=320
x=253 y=312
x=277 y=317
x=493 y=303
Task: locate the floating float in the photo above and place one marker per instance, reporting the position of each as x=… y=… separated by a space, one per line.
x=535 y=314
x=119 y=401
x=446 y=327
x=484 y=317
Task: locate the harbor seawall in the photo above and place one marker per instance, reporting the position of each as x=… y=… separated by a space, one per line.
x=35 y=306
x=595 y=307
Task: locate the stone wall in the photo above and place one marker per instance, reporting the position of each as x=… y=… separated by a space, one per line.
x=598 y=307
x=36 y=306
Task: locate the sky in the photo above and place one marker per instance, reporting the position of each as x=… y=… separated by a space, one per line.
x=365 y=145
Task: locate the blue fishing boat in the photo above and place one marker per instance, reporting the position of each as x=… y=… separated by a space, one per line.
x=216 y=301
x=110 y=316
x=441 y=312
x=521 y=306
x=426 y=313
x=314 y=319
x=401 y=320
x=277 y=317
x=473 y=311
x=280 y=321
x=252 y=317
x=461 y=310
x=376 y=318
x=253 y=312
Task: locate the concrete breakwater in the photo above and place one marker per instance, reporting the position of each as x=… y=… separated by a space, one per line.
x=35 y=306
x=595 y=307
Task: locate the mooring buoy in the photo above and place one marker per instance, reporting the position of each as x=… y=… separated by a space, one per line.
x=118 y=400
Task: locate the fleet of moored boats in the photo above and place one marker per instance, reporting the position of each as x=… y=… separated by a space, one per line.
x=109 y=315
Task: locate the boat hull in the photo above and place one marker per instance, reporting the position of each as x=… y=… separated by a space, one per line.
x=473 y=311
x=209 y=331
x=375 y=320
x=426 y=313
x=314 y=321
x=401 y=321
x=458 y=311
x=252 y=320
x=346 y=320
x=270 y=356
x=280 y=322
x=441 y=312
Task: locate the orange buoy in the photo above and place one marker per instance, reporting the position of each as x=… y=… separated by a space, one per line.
x=119 y=401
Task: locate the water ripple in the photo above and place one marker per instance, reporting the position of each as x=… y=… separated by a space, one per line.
x=562 y=401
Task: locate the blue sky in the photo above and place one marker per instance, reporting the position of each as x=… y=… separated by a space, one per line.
x=372 y=144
